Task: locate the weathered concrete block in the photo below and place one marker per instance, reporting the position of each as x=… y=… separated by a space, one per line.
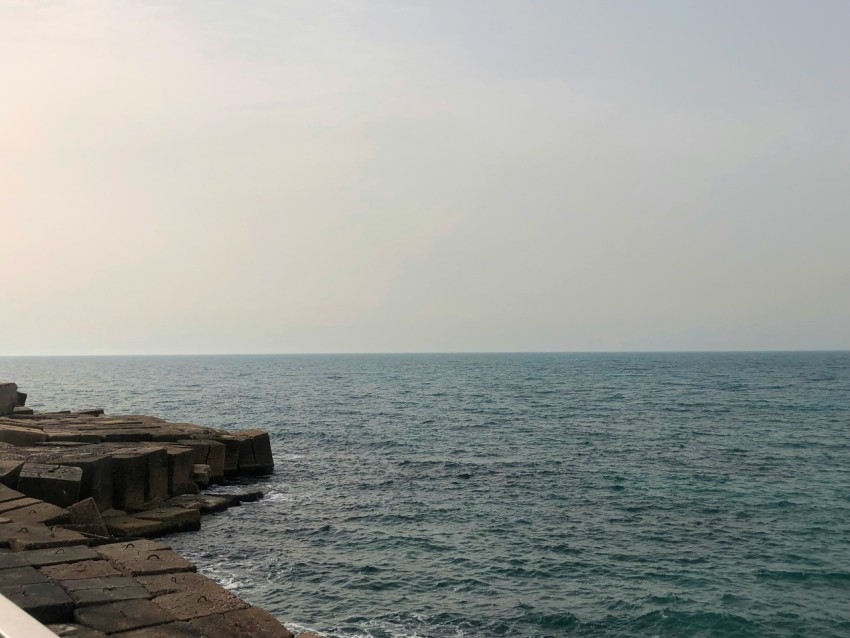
x=86 y=518
x=10 y=470
x=181 y=464
x=255 y=452
x=231 y=454
x=156 y=483
x=29 y=512
x=206 y=503
x=56 y=484
x=162 y=584
x=201 y=475
x=21 y=576
x=124 y=616
x=8 y=494
x=8 y=397
x=80 y=570
x=171 y=630
x=186 y=605
x=140 y=558
x=45 y=602
x=55 y=538
x=17 y=435
x=178 y=519
x=110 y=589
x=132 y=527
x=244 y=623
x=43 y=557
x=129 y=474
x=97 y=481
x=21 y=399
x=70 y=630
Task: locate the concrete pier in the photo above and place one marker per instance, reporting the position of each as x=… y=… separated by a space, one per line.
x=83 y=499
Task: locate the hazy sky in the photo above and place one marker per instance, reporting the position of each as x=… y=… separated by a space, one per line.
x=345 y=176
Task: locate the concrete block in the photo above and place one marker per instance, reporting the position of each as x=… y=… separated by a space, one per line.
x=11 y=560
x=56 y=538
x=244 y=623
x=162 y=584
x=201 y=475
x=255 y=453
x=80 y=570
x=56 y=484
x=8 y=397
x=30 y=511
x=129 y=473
x=75 y=554
x=206 y=503
x=8 y=494
x=132 y=527
x=10 y=469
x=177 y=518
x=171 y=630
x=17 y=435
x=141 y=558
x=97 y=480
x=231 y=454
x=98 y=591
x=186 y=605
x=45 y=602
x=181 y=464
x=86 y=518
x=124 y=616
x=21 y=576
x=70 y=630
x=22 y=399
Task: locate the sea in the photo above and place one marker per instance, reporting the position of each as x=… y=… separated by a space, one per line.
x=521 y=495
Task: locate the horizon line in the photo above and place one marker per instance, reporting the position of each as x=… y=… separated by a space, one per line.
x=426 y=352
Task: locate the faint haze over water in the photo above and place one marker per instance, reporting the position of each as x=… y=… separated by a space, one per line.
x=352 y=176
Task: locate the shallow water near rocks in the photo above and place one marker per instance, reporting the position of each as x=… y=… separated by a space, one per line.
x=516 y=494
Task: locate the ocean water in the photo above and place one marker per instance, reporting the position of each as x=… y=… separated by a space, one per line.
x=517 y=494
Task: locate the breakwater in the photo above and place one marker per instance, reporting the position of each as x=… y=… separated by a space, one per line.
x=84 y=501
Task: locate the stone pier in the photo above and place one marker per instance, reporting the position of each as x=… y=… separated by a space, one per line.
x=83 y=499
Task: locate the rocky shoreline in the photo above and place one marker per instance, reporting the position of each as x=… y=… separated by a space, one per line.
x=84 y=500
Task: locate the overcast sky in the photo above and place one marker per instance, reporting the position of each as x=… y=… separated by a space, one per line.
x=323 y=176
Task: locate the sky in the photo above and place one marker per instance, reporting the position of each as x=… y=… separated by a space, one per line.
x=210 y=176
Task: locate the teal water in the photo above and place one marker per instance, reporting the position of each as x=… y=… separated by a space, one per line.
x=517 y=495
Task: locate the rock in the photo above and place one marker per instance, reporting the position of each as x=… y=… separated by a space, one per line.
x=56 y=484
x=8 y=397
x=124 y=616
x=86 y=518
